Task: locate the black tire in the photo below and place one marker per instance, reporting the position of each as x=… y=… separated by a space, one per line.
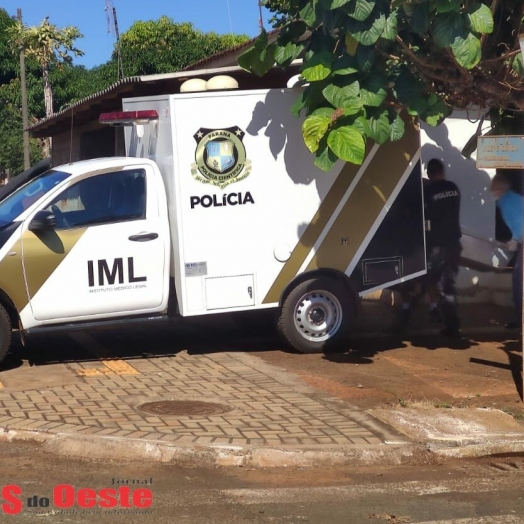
x=5 y=333
x=333 y=306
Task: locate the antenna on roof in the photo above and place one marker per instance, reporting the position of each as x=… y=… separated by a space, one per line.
x=112 y=27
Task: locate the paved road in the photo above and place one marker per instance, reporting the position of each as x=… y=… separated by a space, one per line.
x=467 y=492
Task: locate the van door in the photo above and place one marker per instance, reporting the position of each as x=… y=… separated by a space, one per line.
x=107 y=255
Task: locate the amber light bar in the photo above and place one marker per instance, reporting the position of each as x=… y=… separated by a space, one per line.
x=128 y=117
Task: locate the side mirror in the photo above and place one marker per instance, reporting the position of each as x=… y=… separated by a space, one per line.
x=43 y=221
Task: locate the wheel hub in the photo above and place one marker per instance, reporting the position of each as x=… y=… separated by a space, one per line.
x=318 y=315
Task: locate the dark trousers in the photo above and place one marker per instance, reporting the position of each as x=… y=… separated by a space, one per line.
x=516 y=281
x=443 y=265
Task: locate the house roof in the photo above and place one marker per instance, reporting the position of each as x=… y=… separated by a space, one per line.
x=109 y=99
x=229 y=55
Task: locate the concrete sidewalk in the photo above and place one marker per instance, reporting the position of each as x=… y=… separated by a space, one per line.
x=236 y=410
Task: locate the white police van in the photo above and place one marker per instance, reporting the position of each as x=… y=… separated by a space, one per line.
x=217 y=207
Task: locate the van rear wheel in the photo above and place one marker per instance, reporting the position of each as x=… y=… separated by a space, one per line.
x=5 y=333
x=316 y=315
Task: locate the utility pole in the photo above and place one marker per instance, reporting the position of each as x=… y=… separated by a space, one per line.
x=521 y=41
x=111 y=17
x=27 y=159
x=261 y=19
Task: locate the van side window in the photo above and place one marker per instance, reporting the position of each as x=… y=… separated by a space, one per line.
x=102 y=199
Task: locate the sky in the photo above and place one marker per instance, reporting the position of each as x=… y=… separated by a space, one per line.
x=220 y=16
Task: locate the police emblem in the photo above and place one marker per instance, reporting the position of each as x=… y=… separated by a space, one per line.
x=220 y=157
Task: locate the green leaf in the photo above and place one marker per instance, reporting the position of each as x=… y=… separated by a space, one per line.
x=300 y=104
x=260 y=58
x=345 y=98
x=391 y=29
x=467 y=51
x=288 y=53
x=373 y=90
x=369 y=31
x=339 y=96
x=366 y=58
x=409 y=9
x=318 y=67
x=444 y=6
x=377 y=126
x=314 y=128
x=246 y=58
x=291 y=32
x=351 y=45
x=262 y=40
x=480 y=18
x=325 y=158
x=408 y=91
x=447 y=27
x=324 y=111
x=360 y=9
x=335 y=4
x=436 y=114
x=518 y=65
x=397 y=128
x=348 y=144
x=309 y=13
x=344 y=66
x=420 y=20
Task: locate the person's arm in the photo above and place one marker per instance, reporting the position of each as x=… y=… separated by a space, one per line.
x=511 y=211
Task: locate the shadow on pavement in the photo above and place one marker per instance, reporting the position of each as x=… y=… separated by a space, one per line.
x=510 y=347
x=197 y=336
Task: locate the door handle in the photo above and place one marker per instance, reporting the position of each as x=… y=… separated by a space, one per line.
x=144 y=237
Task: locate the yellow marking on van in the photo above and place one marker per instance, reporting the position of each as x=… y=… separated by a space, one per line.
x=366 y=202
x=114 y=365
x=313 y=231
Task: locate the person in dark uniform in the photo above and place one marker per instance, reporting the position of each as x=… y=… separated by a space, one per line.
x=443 y=247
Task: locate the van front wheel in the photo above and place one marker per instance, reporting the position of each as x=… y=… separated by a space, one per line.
x=5 y=333
x=316 y=315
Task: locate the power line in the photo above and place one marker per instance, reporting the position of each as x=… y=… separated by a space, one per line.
x=229 y=14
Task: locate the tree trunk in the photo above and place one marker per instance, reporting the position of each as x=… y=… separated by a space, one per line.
x=48 y=100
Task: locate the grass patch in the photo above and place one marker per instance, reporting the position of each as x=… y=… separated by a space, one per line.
x=429 y=404
x=517 y=415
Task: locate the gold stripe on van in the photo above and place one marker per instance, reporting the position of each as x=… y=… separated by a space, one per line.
x=43 y=253
x=312 y=232
x=358 y=215
x=12 y=280
x=366 y=202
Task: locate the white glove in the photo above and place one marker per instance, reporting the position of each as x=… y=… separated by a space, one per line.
x=512 y=245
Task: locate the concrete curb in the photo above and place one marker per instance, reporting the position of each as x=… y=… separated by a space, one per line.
x=478 y=450
x=115 y=448
x=137 y=450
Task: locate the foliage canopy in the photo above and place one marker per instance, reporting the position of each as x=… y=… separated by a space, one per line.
x=150 y=47
x=164 y=46
x=366 y=60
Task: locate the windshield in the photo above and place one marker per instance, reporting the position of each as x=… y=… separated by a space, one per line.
x=22 y=198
